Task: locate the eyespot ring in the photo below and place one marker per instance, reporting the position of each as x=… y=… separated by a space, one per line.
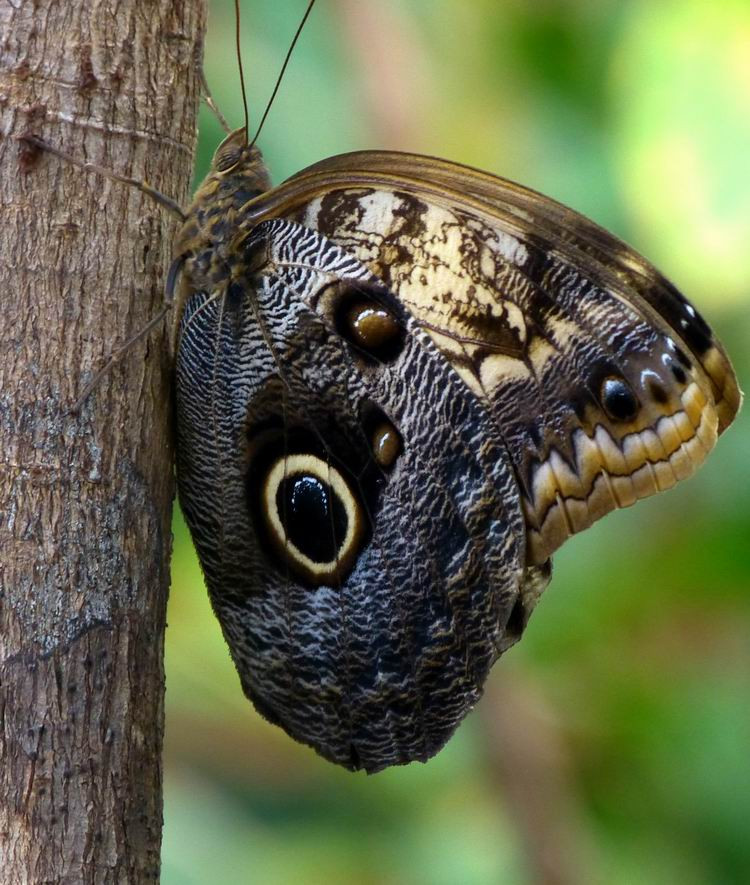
x=314 y=520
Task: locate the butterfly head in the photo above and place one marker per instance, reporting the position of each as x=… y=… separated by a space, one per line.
x=238 y=169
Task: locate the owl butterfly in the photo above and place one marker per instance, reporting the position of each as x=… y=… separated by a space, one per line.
x=401 y=385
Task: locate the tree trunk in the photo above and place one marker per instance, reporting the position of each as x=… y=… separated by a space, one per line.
x=85 y=498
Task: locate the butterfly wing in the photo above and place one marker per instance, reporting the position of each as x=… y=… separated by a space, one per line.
x=416 y=386
x=561 y=233
x=606 y=384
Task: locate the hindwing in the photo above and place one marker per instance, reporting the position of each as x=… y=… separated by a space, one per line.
x=364 y=588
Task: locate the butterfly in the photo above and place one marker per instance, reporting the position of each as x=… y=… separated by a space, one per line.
x=401 y=385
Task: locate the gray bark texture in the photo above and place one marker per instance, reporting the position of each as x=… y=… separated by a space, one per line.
x=85 y=499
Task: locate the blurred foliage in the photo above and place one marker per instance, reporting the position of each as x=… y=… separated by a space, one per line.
x=613 y=743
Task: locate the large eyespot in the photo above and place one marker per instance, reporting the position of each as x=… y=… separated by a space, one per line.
x=619 y=401
x=314 y=519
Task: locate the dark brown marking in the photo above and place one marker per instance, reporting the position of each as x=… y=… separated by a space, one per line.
x=489 y=329
x=681 y=315
x=658 y=393
x=336 y=206
x=28 y=155
x=87 y=79
x=682 y=357
x=692 y=331
x=679 y=373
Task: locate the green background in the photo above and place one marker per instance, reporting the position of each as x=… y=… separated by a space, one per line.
x=612 y=744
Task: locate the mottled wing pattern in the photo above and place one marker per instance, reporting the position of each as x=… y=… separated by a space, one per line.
x=604 y=382
x=401 y=385
x=366 y=627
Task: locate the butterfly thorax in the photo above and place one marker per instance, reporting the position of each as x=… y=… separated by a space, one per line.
x=205 y=242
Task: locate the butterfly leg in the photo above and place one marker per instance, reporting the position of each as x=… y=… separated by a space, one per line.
x=160 y=198
x=142 y=186
x=117 y=355
x=209 y=99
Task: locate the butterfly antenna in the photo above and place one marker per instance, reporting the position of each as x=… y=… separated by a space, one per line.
x=239 y=63
x=283 y=68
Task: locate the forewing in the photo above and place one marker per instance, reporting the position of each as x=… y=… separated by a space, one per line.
x=604 y=383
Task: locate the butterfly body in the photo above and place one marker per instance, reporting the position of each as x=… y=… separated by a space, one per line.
x=401 y=385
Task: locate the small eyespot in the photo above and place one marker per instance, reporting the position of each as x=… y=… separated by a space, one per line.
x=694 y=329
x=369 y=325
x=619 y=401
x=314 y=519
x=386 y=444
x=679 y=373
x=679 y=353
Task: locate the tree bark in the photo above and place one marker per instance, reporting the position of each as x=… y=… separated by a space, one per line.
x=85 y=498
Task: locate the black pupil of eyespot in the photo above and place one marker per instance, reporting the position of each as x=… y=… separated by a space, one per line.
x=619 y=400
x=312 y=515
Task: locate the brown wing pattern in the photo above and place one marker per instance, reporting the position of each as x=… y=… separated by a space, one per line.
x=564 y=233
x=605 y=383
x=401 y=385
